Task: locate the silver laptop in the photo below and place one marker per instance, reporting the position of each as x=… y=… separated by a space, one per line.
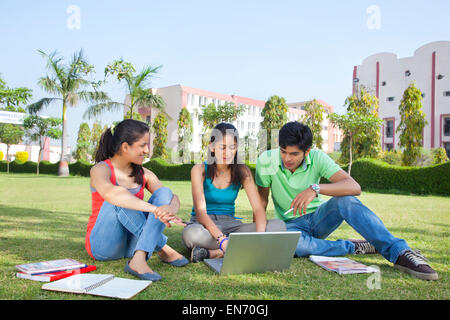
x=252 y=252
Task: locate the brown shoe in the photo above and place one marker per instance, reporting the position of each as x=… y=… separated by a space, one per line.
x=363 y=246
x=414 y=263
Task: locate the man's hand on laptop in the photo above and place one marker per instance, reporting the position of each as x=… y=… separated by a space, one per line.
x=302 y=200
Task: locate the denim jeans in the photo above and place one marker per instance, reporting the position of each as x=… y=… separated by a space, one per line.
x=119 y=232
x=317 y=226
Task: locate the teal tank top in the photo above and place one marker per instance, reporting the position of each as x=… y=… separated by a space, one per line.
x=219 y=201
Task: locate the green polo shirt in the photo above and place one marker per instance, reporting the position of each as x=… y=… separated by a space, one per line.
x=285 y=185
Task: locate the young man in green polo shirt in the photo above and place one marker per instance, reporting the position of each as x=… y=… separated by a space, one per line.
x=293 y=171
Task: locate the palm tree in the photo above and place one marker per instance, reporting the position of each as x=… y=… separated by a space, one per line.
x=138 y=91
x=69 y=85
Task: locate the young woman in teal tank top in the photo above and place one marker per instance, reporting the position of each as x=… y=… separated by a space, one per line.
x=215 y=187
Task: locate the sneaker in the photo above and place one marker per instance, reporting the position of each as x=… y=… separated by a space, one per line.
x=363 y=246
x=199 y=254
x=414 y=263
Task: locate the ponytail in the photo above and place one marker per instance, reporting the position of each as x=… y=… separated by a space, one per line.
x=104 y=150
x=128 y=131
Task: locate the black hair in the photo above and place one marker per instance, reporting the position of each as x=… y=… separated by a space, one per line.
x=297 y=134
x=128 y=131
x=239 y=171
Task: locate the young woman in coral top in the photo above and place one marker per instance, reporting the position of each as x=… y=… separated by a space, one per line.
x=122 y=224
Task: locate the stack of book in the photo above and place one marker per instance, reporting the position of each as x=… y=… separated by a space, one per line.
x=48 y=271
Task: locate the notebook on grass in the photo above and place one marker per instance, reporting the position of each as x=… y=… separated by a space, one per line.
x=341 y=265
x=50 y=266
x=105 y=285
x=53 y=276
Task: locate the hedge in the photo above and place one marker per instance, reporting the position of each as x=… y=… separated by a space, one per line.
x=376 y=174
x=369 y=173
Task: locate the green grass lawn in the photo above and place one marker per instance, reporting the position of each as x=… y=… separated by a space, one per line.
x=44 y=218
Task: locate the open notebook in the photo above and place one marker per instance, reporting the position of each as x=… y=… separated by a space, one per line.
x=105 y=285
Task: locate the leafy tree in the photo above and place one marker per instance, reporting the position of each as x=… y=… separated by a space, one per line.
x=185 y=131
x=412 y=122
x=313 y=118
x=69 y=85
x=355 y=126
x=96 y=133
x=211 y=115
x=38 y=128
x=274 y=116
x=12 y=98
x=369 y=143
x=160 y=129
x=10 y=134
x=84 y=143
x=138 y=90
x=439 y=155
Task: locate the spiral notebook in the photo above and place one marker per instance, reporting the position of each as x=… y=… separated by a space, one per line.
x=105 y=285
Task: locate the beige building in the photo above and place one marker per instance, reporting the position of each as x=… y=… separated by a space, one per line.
x=180 y=96
x=387 y=76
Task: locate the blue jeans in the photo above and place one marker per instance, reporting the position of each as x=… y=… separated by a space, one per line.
x=119 y=232
x=317 y=226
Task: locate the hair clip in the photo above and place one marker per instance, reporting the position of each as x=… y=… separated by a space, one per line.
x=112 y=128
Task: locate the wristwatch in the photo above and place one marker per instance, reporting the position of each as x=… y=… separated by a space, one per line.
x=316 y=188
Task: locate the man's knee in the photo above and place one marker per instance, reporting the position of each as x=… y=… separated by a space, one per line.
x=345 y=201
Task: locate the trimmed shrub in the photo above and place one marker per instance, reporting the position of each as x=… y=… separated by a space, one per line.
x=167 y=171
x=393 y=157
x=79 y=168
x=22 y=156
x=369 y=173
x=439 y=155
x=376 y=174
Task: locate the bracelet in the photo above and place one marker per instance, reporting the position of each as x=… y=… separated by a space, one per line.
x=220 y=236
x=220 y=245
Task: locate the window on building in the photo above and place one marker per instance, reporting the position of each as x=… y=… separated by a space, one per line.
x=447 y=93
x=389 y=146
x=447 y=126
x=423 y=95
x=407 y=73
x=389 y=128
x=390 y=99
x=383 y=83
x=148 y=119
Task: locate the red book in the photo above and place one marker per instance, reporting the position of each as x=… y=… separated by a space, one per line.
x=52 y=276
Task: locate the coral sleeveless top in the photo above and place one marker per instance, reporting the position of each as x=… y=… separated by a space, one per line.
x=97 y=202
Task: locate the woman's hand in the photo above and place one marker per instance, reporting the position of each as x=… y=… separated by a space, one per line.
x=224 y=243
x=165 y=214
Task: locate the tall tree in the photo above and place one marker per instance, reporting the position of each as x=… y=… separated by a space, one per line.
x=355 y=127
x=313 y=118
x=138 y=90
x=274 y=116
x=12 y=99
x=210 y=115
x=82 y=152
x=37 y=128
x=160 y=130
x=96 y=133
x=185 y=131
x=412 y=122
x=70 y=86
x=369 y=144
